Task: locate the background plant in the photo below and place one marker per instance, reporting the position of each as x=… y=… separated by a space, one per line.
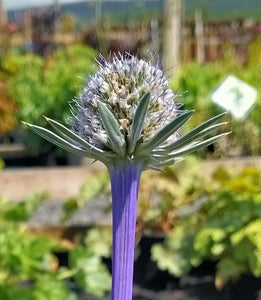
x=224 y=228
x=45 y=86
x=196 y=82
x=30 y=269
x=162 y=194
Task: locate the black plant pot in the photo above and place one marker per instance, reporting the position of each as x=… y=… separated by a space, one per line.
x=146 y=272
x=247 y=287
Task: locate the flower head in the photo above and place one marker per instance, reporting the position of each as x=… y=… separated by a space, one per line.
x=120 y=85
x=128 y=111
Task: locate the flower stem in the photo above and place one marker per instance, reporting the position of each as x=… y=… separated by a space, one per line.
x=125 y=178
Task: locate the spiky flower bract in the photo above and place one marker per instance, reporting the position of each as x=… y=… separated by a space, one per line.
x=127 y=117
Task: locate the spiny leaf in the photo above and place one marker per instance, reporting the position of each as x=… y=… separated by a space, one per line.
x=138 y=122
x=71 y=137
x=112 y=128
x=165 y=132
x=166 y=162
x=194 y=133
x=57 y=140
x=189 y=138
x=159 y=162
x=196 y=146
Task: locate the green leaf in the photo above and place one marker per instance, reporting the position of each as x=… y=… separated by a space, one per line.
x=1 y=164
x=71 y=137
x=175 y=260
x=21 y=293
x=196 y=146
x=138 y=122
x=70 y=206
x=58 y=141
x=92 y=275
x=165 y=132
x=112 y=128
x=198 y=132
x=157 y=163
x=228 y=269
x=168 y=260
x=99 y=241
x=207 y=238
x=4 y=293
x=49 y=287
x=94 y=186
x=185 y=140
x=22 y=210
x=167 y=162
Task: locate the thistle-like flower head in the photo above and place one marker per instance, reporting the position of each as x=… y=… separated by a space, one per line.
x=127 y=111
x=120 y=85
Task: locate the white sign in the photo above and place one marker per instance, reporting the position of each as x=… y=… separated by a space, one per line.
x=235 y=96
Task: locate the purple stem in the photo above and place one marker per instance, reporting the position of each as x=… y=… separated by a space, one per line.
x=125 y=178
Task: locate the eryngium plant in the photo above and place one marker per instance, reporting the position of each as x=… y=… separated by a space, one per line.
x=127 y=117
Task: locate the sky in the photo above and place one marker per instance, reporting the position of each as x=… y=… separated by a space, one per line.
x=10 y=4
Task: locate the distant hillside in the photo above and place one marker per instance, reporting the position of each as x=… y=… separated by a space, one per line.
x=121 y=10
x=124 y=10
x=85 y=11
x=225 y=9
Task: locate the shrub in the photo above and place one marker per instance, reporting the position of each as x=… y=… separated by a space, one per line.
x=224 y=228
x=29 y=268
x=44 y=87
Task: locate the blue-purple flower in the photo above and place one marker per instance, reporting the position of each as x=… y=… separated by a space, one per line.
x=128 y=118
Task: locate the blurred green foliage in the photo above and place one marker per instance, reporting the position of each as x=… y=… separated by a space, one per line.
x=99 y=241
x=204 y=218
x=30 y=270
x=46 y=86
x=91 y=188
x=222 y=224
x=20 y=211
x=161 y=194
x=7 y=111
x=91 y=274
x=196 y=82
x=1 y=164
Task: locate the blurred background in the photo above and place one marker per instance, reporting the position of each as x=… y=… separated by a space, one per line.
x=199 y=222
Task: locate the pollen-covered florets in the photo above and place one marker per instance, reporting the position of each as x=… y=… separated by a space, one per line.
x=121 y=84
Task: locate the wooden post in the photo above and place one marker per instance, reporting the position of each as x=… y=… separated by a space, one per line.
x=3 y=15
x=199 y=34
x=57 y=12
x=172 y=35
x=28 y=28
x=213 y=45
x=186 y=45
x=154 y=27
